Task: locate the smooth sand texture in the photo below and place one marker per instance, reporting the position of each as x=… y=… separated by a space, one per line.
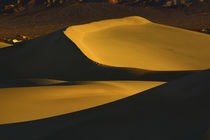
x=3 y=45
x=31 y=103
x=138 y=43
x=55 y=56
x=178 y=110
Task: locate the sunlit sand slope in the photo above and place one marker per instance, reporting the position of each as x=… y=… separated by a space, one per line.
x=31 y=103
x=138 y=43
x=178 y=110
x=98 y=109
x=55 y=56
x=2 y=45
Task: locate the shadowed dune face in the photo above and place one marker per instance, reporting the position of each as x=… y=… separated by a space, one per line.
x=31 y=103
x=55 y=56
x=135 y=42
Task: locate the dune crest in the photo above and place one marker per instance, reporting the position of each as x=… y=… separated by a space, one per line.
x=138 y=43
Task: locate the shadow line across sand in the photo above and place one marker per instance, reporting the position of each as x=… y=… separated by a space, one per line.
x=176 y=110
x=55 y=56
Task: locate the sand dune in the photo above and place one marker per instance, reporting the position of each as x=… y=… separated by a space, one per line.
x=31 y=103
x=177 y=110
x=55 y=60
x=138 y=43
x=92 y=74
x=55 y=56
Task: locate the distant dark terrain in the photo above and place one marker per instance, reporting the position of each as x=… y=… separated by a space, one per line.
x=34 y=21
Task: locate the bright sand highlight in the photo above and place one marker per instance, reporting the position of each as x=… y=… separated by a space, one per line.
x=3 y=45
x=32 y=103
x=138 y=43
x=128 y=42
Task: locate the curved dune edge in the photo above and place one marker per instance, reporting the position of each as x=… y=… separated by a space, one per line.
x=174 y=109
x=32 y=103
x=3 y=45
x=138 y=43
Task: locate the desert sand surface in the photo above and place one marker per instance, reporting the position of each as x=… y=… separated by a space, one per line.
x=55 y=56
x=138 y=43
x=121 y=79
x=176 y=110
x=2 y=45
x=32 y=103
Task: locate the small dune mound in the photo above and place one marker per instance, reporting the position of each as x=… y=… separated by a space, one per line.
x=3 y=45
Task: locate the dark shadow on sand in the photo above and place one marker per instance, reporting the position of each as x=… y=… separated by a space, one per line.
x=55 y=56
x=178 y=110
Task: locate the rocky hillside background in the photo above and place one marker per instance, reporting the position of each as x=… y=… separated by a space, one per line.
x=34 y=18
x=9 y=6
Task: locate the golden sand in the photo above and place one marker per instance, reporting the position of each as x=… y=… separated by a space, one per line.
x=32 y=103
x=138 y=43
x=3 y=45
x=132 y=42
